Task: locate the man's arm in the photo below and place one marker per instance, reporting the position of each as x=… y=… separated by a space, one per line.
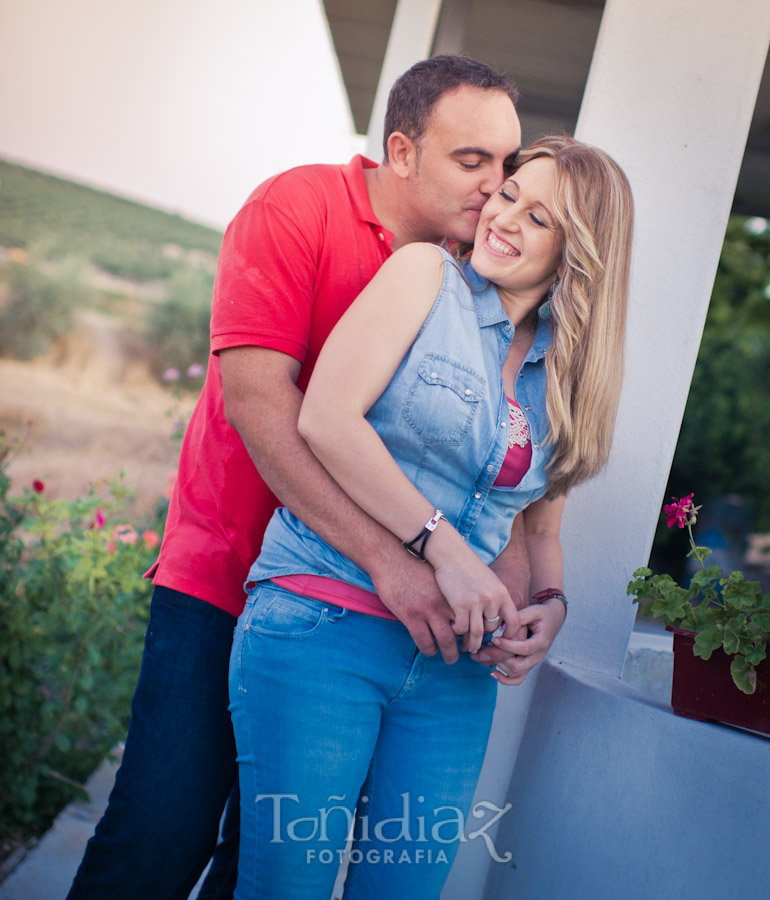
x=262 y=403
x=512 y=565
x=542 y=621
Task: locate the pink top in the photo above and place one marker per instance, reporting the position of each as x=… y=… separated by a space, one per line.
x=519 y=456
x=340 y=593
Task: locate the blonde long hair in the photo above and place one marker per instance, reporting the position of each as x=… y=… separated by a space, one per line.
x=584 y=364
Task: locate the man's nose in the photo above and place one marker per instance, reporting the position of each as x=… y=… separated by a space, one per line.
x=492 y=180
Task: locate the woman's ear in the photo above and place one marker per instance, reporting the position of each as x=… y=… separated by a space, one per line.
x=402 y=154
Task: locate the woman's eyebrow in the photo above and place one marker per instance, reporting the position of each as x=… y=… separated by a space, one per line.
x=536 y=203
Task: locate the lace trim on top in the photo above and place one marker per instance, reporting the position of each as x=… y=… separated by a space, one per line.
x=518 y=436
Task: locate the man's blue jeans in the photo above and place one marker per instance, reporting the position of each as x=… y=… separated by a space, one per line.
x=334 y=710
x=162 y=819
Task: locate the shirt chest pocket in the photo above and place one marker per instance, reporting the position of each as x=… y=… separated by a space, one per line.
x=443 y=400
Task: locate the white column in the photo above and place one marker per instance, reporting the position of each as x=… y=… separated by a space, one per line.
x=411 y=39
x=670 y=94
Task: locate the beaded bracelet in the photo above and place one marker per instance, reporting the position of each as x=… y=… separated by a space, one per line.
x=550 y=594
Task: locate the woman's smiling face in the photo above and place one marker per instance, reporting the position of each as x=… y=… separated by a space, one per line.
x=519 y=242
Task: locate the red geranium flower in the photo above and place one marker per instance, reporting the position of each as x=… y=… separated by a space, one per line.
x=37 y=486
x=679 y=512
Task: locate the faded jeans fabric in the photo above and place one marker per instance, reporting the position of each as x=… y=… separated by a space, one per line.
x=178 y=768
x=334 y=709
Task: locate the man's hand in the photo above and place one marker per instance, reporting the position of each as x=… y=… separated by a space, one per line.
x=408 y=588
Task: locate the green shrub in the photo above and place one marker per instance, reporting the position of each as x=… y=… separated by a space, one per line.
x=40 y=306
x=178 y=329
x=73 y=611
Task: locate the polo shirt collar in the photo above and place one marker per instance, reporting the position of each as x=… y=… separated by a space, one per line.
x=353 y=174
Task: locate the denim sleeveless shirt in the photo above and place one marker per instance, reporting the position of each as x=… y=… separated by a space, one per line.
x=444 y=418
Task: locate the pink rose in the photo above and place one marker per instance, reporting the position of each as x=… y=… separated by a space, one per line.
x=125 y=534
x=151 y=538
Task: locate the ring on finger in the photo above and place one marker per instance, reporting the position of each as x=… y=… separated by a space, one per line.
x=502 y=671
x=491 y=619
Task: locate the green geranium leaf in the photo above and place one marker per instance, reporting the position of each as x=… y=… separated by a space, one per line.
x=708 y=640
x=734 y=632
x=700 y=553
x=744 y=675
x=741 y=594
x=756 y=653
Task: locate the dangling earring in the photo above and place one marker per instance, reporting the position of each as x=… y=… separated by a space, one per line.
x=544 y=310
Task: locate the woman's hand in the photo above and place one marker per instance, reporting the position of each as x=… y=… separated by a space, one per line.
x=543 y=621
x=479 y=600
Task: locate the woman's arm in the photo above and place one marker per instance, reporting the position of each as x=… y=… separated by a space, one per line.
x=355 y=366
x=542 y=524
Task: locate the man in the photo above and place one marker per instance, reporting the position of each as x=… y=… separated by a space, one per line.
x=296 y=255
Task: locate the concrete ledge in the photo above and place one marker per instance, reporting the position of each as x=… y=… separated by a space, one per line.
x=614 y=796
x=649 y=664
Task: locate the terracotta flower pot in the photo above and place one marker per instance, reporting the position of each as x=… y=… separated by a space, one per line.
x=704 y=689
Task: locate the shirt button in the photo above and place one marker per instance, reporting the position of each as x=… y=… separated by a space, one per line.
x=434 y=374
x=528 y=408
x=490 y=468
x=502 y=424
x=521 y=374
x=477 y=495
x=468 y=392
x=381 y=236
x=536 y=446
x=507 y=326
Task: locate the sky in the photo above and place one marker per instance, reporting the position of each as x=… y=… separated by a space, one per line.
x=182 y=104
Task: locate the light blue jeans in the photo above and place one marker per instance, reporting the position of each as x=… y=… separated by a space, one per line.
x=337 y=712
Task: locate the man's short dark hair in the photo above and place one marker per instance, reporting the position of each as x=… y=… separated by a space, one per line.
x=415 y=94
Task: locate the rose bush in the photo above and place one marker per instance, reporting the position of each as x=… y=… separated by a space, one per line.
x=73 y=611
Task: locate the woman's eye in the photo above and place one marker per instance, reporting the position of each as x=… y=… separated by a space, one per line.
x=538 y=222
x=506 y=196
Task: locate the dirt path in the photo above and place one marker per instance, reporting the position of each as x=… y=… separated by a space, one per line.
x=85 y=412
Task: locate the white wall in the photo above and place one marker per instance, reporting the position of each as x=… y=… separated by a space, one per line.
x=614 y=796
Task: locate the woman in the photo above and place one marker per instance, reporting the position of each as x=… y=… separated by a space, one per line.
x=448 y=399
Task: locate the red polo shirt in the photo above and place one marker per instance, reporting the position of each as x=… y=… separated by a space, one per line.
x=297 y=254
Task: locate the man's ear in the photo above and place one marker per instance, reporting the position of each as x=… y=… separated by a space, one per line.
x=402 y=154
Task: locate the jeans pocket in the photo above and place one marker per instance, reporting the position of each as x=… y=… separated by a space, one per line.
x=281 y=613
